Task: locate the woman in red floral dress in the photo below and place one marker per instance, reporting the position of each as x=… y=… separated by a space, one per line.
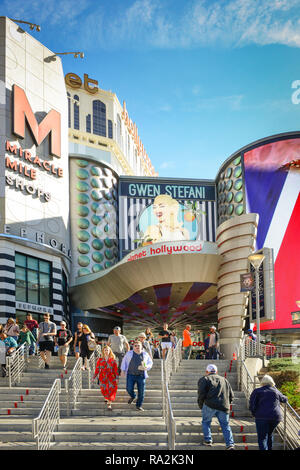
x=107 y=372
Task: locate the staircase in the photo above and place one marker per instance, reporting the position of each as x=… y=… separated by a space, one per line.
x=91 y=425
x=184 y=392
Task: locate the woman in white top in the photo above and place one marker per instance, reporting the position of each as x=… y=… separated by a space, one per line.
x=11 y=329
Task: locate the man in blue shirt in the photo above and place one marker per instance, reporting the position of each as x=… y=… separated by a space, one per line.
x=7 y=346
x=134 y=366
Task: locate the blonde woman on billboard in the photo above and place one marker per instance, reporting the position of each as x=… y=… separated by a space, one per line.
x=168 y=228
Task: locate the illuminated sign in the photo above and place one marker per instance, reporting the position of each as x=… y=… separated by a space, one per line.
x=74 y=81
x=133 y=130
x=157 y=249
x=51 y=124
x=177 y=191
x=28 y=163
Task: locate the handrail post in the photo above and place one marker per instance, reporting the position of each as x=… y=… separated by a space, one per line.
x=284 y=426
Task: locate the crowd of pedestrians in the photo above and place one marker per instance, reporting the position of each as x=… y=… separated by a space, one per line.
x=133 y=362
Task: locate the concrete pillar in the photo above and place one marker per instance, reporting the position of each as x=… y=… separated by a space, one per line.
x=236 y=240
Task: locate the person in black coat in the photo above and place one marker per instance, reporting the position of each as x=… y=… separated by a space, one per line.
x=264 y=405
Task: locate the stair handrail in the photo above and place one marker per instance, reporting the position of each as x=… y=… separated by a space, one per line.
x=44 y=425
x=73 y=385
x=172 y=360
x=16 y=364
x=92 y=361
x=167 y=409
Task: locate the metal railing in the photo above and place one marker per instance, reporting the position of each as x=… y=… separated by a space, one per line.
x=172 y=360
x=45 y=424
x=167 y=409
x=289 y=428
x=91 y=364
x=73 y=386
x=250 y=349
x=16 y=364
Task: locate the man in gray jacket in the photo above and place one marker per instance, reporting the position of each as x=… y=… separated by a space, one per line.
x=214 y=398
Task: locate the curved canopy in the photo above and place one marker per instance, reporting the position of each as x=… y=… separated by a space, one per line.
x=184 y=263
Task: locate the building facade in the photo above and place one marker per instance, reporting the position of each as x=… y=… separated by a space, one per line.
x=89 y=232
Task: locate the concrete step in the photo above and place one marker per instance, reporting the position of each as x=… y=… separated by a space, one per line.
x=112 y=424
x=197 y=438
x=20 y=445
x=111 y=437
x=129 y=412
x=188 y=425
x=109 y=446
x=15 y=436
x=218 y=446
x=193 y=413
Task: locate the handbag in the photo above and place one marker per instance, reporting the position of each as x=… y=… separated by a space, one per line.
x=92 y=345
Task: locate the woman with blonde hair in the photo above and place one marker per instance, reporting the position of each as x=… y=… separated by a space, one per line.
x=168 y=228
x=11 y=329
x=85 y=337
x=107 y=372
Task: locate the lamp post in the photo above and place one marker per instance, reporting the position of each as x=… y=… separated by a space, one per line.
x=255 y=260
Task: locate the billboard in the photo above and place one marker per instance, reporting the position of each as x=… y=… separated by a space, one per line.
x=154 y=210
x=272 y=183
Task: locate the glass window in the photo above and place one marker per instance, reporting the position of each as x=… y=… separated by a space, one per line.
x=76 y=112
x=44 y=266
x=88 y=123
x=21 y=284
x=110 y=129
x=99 y=118
x=44 y=289
x=69 y=109
x=32 y=263
x=33 y=280
x=20 y=260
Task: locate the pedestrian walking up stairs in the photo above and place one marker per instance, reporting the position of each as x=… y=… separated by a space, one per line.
x=184 y=392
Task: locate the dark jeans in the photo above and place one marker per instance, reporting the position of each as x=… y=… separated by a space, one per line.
x=212 y=352
x=265 y=430
x=141 y=383
x=187 y=352
x=119 y=356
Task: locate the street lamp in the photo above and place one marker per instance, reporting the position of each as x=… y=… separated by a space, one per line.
x=76 y=54
x=31 y=25
x=255 y=260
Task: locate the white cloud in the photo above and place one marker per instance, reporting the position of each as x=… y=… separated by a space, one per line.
x=167 y=165
x=167 y=24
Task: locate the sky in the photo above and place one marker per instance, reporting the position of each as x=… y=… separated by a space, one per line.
x=201 y=78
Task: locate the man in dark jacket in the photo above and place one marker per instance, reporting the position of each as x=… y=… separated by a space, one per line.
x=214 y=398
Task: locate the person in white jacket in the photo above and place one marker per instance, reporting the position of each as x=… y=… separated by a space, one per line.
x=134 y=366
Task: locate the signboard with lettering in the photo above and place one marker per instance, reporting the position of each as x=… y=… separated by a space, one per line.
x=154 y=210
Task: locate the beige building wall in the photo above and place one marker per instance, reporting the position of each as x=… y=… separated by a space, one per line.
x=121 y=151
x=24 y=62
x=236 y=241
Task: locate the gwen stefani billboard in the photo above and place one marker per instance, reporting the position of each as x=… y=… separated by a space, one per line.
x=154 y=210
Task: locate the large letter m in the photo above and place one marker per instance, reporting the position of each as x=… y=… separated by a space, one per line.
x=50 y=124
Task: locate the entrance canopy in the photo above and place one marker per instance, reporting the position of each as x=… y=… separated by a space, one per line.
x=173 y=282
